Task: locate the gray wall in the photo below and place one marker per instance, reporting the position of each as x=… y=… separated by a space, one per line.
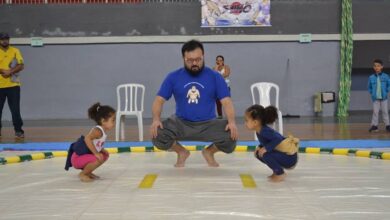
x=61 y=82
x=371 y=16
x=183 y=18
x=165 y=18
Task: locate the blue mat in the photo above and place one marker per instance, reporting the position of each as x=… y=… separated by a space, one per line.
x=57 y=146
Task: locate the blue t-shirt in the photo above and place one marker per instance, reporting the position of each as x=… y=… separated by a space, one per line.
x=195 y=96
x=269 y=138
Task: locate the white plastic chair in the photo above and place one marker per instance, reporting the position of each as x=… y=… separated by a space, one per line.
x=264 y=92
x=130 y=98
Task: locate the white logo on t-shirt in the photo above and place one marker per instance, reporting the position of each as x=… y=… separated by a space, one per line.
x=193 y=95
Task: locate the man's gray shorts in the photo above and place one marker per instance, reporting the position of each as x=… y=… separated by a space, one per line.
x=176 y=129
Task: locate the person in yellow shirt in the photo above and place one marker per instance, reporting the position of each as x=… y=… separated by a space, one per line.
x=11 y=63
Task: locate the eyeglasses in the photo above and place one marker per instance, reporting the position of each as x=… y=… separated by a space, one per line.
x=191 y=61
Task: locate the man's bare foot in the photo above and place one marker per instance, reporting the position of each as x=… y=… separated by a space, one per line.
x=182 y=157
x=209 y=157
x=93 y=176
x=277 y=178
x=85 y=178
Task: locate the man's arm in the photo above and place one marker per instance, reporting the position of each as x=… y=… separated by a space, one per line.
x=10 y=72
x=13 y=70
x=17 y=68
x=231 y=117
x=156 y=113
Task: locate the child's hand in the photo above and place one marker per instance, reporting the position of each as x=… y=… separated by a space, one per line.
x=104 y=151
x=260 y=151
x=99 y=157
x=256 y=151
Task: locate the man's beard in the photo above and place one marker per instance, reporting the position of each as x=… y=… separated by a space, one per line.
x=194 y=70
x=4 y=45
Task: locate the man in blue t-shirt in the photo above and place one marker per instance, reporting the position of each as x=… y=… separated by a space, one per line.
x=195 y=89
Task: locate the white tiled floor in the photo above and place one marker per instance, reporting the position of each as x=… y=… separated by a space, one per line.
x=321 y=187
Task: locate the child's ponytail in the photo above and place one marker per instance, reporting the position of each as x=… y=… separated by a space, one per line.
x=264 y=115
x=270 y=115
x=93 y=111
x=98 y=112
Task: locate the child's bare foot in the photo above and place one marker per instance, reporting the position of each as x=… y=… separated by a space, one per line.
x=93 y=176
x=181 y=158
x=277 y=178
x=209 y=157
x=271 y=176
x=291 y=168
x=85 y=178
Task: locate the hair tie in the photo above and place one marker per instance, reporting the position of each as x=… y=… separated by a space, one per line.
x=97 y=108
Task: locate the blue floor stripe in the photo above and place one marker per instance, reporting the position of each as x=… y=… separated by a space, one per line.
x=52 y=146
x=347 y=143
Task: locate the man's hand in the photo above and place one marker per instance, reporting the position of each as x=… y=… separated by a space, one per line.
x=233 y=130
x=154 y=128
x=6 y=73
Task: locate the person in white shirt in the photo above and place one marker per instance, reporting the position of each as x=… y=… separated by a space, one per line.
x=224 y=70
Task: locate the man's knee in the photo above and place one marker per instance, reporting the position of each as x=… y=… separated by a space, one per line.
x=227 y=146
x=162 y=143
x=166 y=136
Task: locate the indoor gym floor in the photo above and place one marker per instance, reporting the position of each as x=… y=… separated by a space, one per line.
x=147 y=186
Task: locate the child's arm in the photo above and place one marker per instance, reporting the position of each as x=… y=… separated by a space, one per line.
x=369 y=85
x=95 y=133
x=104 y=151
x=272 y=145
x=388 y=83
x=272 y=139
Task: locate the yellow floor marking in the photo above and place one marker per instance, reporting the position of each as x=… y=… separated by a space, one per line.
x=248 y=181
x=38 y=156
x=137 y=149
x=148 y=181
x=60 y=153
x=362 y=153
x=190 y=148
x=340 y=151
x=240 y=148
x=14 y=159
x=112 y=150
x=313 y=150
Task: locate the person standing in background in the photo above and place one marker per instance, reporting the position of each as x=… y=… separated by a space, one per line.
x=224 y=70
x=11 y=63
x=379 y=87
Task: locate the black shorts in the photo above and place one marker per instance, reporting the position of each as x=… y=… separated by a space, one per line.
x=176 y=129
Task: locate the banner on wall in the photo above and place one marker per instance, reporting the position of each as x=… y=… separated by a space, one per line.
x=236 y=13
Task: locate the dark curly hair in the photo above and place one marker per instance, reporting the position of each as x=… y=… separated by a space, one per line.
x=98 y=112
x=266 y=115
